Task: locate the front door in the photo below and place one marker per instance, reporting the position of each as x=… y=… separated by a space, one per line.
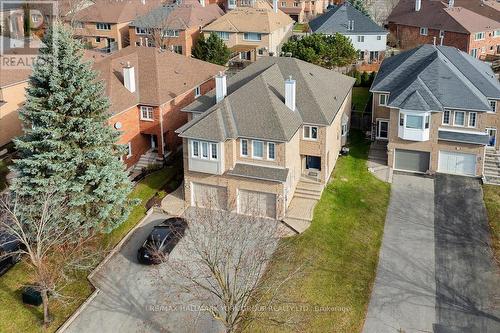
x=313 y=162
x=382 y=129
x=492 y=137
x=154 y=142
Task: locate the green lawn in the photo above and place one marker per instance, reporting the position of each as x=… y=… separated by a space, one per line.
x=360 y=97
x=492 y=202
x=301 y=27
x=341 y=251
x=16 y=317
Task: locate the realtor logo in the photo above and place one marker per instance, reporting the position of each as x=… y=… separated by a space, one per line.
x=22 y=26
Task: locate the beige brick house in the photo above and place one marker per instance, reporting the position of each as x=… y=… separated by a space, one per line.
x=437 y=109
x=269 y=135
x=253 y=32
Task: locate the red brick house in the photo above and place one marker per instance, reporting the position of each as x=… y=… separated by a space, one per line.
x=466 y=25
x=147 y=89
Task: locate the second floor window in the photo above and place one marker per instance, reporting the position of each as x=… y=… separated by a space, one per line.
x=472 y=119
x=257 y=149
x=310 y=132
x=271 y=151
x=459 y=118
x=78 y=25
x=177 y=49
x=253 y=36
x=493 y=105
x=283 y=4
x=361 y=39
x=446 y=117
x=197 y=92
x=244 y=147
x=224 y=35
x=140 y=31
x=479 y=36
x=415 y=122
x=103 y=26
x=204 y=150
x=382 y=99
x=146 y=113
x=171 y=33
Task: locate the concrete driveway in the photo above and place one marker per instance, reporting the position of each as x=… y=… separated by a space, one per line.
x=131 y=301
x=435 y=272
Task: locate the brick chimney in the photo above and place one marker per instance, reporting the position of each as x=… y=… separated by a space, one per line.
x=418 y=5
x=451 y=3
x=275 y=6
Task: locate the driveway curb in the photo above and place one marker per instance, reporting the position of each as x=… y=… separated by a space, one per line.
x=96 y=291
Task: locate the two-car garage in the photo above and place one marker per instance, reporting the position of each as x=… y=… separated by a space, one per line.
x=452 y=162
x=248 y=202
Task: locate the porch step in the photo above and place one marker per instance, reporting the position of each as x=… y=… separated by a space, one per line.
x=493 y=180
x=491 y=171
x=307 y=180
x=297 y=224
x=303 y=195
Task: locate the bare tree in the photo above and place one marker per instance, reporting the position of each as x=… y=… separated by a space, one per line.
x=221 y=265
x=54 y=248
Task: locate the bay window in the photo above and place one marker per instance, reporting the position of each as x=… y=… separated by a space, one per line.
x=271 y=151
x=472 y=119
x=414 y=122
x=244 y=147
x=204 y=150
x=414 y=125
x=446 y=117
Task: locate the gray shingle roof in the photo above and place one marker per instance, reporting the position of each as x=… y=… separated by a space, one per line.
x=432 y=78
x=255 y=107
x=455 y=136
x=259 y=172
x=336 y=20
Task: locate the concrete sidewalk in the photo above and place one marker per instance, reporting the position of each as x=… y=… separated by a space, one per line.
x=403 y=296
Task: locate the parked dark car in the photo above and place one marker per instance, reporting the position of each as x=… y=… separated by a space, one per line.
x=8 y=258
x=161 y=241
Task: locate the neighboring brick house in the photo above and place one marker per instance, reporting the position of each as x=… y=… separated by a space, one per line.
x=462 y=24
x=147 y=89
x=253 y=32
x=176 y=26
x=367 y=37
x=299 y=10
x=12 y=90
x=269 y=136
x=438 y=110
x=103 y=24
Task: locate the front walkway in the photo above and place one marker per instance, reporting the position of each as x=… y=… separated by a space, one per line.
x=377 y=161
x=299 y=213
x=174 y=203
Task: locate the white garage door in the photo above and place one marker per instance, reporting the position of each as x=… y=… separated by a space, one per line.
x=457 y=163
x=257 y=203
x=209 y=196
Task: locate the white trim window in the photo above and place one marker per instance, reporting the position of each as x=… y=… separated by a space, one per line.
x=78 y=25
x=310 y=132
x=479 y=35
x=361 y=39
x=496 y=33
x=195 y=149
x=283 y=3
x=147 y=113
x=473 y=53
x=244 y=147
x=415 y=122
x=170 y=33
x=382 y=99
x=257 y=149
x=213 y=151
x=103 y=26
x=129 y=150
x=446 y=117
x=204 y=150
x=459 y=118
x=140 y=31
x=224 y=35
x=424 y=31
x=197 y=92
x=271 y=151
x=344 y=130
x=493 y=106
x=441 y=33
x=350 y=25
x=472 y=119
x=252 y=36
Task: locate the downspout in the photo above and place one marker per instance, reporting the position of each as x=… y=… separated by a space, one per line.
x=161 y=133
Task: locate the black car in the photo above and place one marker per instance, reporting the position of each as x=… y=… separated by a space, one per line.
x=8 y=252
x=161 y=241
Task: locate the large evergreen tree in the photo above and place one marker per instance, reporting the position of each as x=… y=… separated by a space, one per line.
x=68 y=147
x=323 y=50
x=360 y=5
x=211 y=49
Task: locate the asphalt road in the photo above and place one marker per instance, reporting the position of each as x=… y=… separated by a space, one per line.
x=436 y=271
